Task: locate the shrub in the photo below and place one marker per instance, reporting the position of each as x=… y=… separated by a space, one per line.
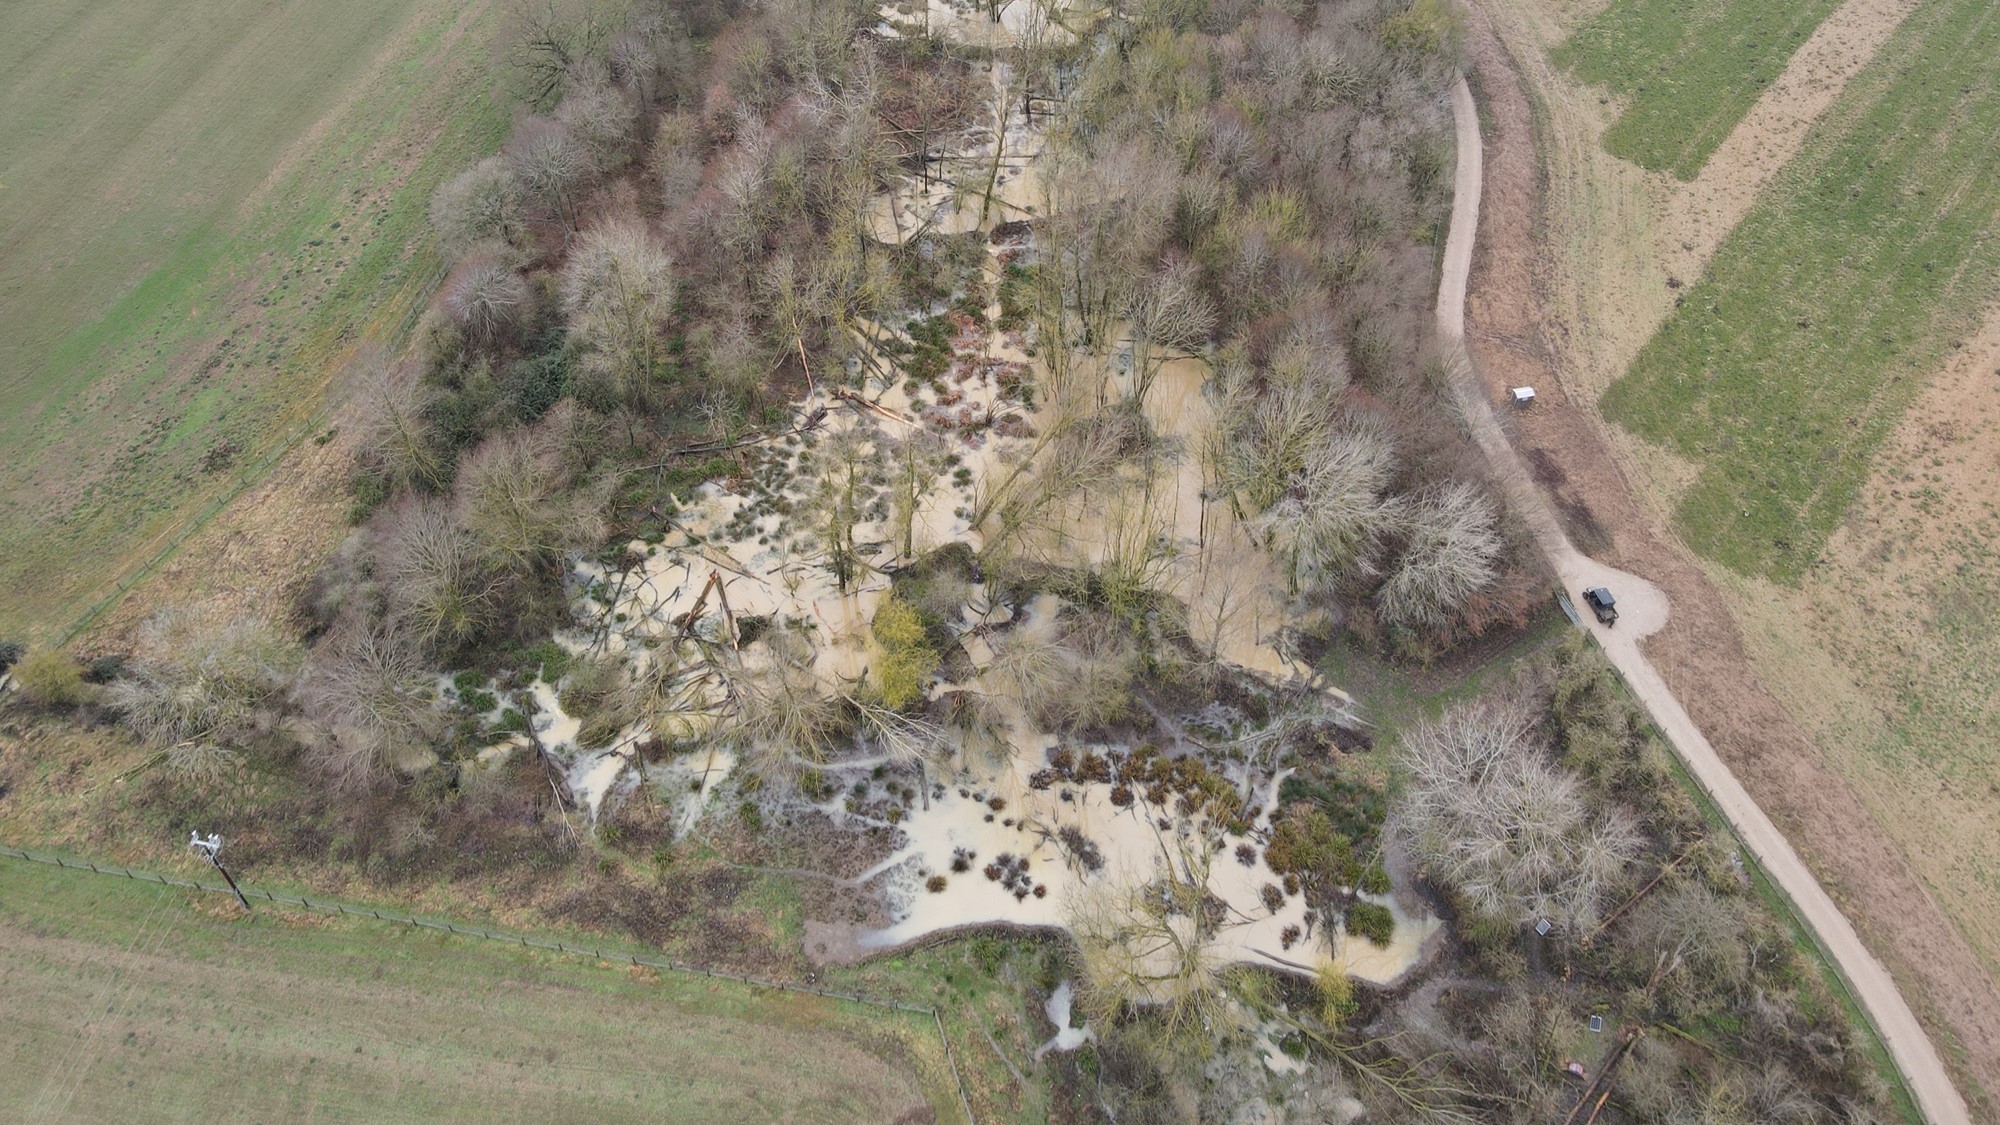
x=1335 y=990
x=907 y=658
x=51 y=679
x=200 y=688
x=1426 y=26
x=1372 y=921
x=104 y=669
x=1375 y=880
x=1305 y=845
x=11 y=653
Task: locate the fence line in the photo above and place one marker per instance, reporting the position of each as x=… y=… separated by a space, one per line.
x=523 y=940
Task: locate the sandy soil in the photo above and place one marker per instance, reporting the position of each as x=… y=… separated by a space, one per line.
x=1522 y=332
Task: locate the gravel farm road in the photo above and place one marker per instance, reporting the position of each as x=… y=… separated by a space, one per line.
x=1642 y=609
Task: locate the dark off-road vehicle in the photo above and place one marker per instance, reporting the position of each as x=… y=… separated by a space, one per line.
x=1602 y=604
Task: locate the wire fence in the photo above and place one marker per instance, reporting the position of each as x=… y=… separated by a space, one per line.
x=524 y=941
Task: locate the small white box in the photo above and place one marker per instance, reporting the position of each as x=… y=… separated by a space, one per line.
x=1523 y=395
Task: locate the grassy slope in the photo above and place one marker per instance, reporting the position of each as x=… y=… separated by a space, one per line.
x=206 y=206
x=1788 y=364
x=128 y=999
x=1692 y=69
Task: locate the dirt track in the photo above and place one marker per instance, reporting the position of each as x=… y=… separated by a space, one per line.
x=1644 y=609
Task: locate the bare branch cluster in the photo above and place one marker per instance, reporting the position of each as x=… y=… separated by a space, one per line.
x=480 y=204
x=1451 y=552
x=1488 y=813
x=370 y=687
x=201 y=688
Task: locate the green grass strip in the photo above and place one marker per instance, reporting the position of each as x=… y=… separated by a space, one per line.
x=1858 y=270
x=1692 y=69
x=278 y=999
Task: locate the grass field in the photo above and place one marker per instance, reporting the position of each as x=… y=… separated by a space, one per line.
x=205 y=207
x=1691 y=69
x=129 y=1001
x=1859 y=267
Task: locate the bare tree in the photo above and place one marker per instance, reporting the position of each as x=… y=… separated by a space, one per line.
x=1334 y=516
x=551 y=166
x=902 y=738
x=1451 y=552
x=743 y=182
x=1691 y=947
x=517 y=501
x=782 y=719
x=1170 y=317
x=483 y=202
x=1263 y=437
x=1077 y=454
x=367 y=684
x=443 y=588
x=554 y=40
x=844 y=493
x=395 y=441
x=1150 y=943
x=676 y=159
x=648 y=55
x=200 y=688
x=1078 y=678
x=618 y=289
x=487 y=299
x=603 y=121
x=1488 y=813
x=915 y=464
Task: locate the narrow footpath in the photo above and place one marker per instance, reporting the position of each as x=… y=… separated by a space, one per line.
x=1643 y=610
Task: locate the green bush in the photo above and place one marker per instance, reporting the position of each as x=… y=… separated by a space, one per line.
x=1305 y=844
x=1372 y=921
x=51 y=679
x=548 y=659
x=1375 y=880
x=907 y=657
x=1426 y=26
